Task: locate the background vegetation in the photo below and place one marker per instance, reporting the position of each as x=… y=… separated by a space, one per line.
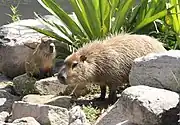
x=96 y=19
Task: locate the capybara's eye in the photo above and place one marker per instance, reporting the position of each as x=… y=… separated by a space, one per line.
x=74 y=65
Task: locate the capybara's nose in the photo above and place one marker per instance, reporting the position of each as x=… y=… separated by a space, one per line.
x=51 y=47
x=62 y=77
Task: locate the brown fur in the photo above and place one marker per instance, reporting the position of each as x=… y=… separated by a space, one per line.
x=107 y=62
x=39 y=64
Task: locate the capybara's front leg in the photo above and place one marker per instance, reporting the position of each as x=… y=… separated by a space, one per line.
x=103 y=92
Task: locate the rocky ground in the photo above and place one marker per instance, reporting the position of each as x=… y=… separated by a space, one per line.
x=137 y=105
x=152 y=99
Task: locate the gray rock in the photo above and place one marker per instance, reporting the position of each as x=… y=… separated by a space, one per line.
x=144 y=105
x=61 y=101
x=3 y=123
x=77 y=90
x=113 y=116
x=49 y=86
x=35 y=98
x=77 y=116
x=4 y=116
x=6 y=101
x=12 y=51
x=157 y=70
x=4 y=81
x=150 y=106
x=44 y=114
x=26 y=121
x=4 y=78
x=24 y=84
x=7 y=86
x=52 y=86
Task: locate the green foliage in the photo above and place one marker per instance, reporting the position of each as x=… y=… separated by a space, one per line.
x=172 y=21
x=15 y=16
x=95 y=19
x=91 y=113
x=168 y=28
x=145 y=13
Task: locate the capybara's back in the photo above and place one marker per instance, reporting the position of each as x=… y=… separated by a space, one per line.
x=107 y=62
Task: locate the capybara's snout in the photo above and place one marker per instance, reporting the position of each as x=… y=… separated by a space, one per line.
x=62 y=76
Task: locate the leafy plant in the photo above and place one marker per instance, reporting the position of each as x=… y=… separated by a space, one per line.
x=91 y=113
x=169 y=26
x=172 y=21
x=95 y=19
x=15 y=16
x=145 y=13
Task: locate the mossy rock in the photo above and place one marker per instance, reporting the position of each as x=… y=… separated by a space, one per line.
x=24 y=85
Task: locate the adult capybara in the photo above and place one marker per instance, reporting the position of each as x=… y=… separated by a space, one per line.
x=39 y=64
x=107 y=62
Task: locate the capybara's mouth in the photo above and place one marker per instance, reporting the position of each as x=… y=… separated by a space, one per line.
x=62 y=82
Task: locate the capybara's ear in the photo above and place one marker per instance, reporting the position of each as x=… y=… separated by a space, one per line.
x=31 y=45
x=83 y=58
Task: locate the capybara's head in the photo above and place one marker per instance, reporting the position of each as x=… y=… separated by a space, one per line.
x=75 y=70
x=46 y=45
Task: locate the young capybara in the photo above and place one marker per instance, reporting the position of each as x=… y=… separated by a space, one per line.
x=107 y=62
x=39 y=64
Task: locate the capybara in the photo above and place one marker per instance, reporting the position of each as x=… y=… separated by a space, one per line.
x=107 y=62
x=39 y=64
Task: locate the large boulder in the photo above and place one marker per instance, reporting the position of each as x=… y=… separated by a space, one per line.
x=47 y=114
x=12 y=49
x=13 y=36
x=160 y=70
x=144 y=105
x=61 y=101
x=44 y=114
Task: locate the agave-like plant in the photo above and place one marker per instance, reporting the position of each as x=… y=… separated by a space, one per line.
x=172 y=21
x=95 y=19
x=169 y=25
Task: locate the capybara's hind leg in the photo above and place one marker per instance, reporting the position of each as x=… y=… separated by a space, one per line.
x=112 y=94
